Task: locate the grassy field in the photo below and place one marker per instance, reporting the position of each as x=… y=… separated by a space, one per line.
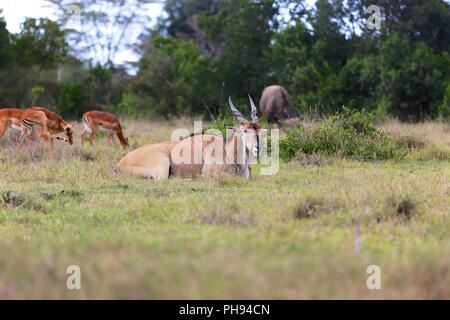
x=288 y=236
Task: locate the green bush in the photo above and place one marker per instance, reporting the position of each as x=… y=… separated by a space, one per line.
x=348 y=134
x=444 y=106
x=72 y=100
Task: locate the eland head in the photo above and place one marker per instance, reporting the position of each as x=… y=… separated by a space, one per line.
x=249 y=131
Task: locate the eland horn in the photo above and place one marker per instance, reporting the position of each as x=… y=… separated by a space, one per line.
x=236 y=112
x=254 y=113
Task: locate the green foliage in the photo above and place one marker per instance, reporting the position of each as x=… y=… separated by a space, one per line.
x=36 y=92
x=220 y=124
x=128 y=105
x=30 y=59
x=173 y=79
x=40 y=42
x=444 y=106
x=202 y=51
x=358 y=82
x=243 y=63
x=209 y=53
x=412 y=78
x=97 y=89
x=5 y=45
x=398 y=71
x=349 y=134
x=421 y=21
x=71 y=99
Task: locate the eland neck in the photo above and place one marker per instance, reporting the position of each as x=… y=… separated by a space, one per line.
x=238 y=155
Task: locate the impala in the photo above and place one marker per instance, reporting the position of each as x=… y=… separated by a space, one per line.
x=35 y=122
x=99 y=120
x=10 y=118
x=55 y=124
x=202 y=154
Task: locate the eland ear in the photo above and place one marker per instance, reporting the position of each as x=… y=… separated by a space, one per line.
x=236 y=112
x=254 y=113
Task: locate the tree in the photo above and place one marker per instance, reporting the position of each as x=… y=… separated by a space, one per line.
x=421 y=21
x=34 y=56
x=308 y=62
x=291 y=56
x=41 y=42
x=182 y=22
x=5 y=43
x=174 y=79
x=221 y=29
x=413 y=78
x=100 y=29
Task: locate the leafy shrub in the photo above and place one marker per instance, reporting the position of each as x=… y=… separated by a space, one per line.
x=72 y=100
x=348 y=134
x=173 y=80
x=444 y=107
x=220 y=124
x=314 y=207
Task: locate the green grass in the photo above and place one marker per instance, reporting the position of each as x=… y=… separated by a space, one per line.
x=288 y=236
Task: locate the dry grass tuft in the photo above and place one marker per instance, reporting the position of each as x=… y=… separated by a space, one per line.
x=313 y=160
x=312 y=207
x=410 y=142
x=398 y=209
x=230 y=217
x=405 y=208
x=82 y=154
x=12 y=200
x=434 y=132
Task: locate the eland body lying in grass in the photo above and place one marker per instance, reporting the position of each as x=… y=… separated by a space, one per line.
x=200 y=155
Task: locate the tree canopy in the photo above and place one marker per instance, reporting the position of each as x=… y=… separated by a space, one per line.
x=201 y=51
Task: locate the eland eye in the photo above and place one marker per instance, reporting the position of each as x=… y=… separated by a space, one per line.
x=245 y=131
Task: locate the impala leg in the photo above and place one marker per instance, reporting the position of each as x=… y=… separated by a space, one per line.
x=26 y=135
x=48 y=138
x=2 y=129
x=51 y=142
x=91 y=138
x=111 y=138
x=83 y=135
x=22 y=136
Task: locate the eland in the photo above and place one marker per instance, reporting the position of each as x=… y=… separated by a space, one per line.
x=205 y=154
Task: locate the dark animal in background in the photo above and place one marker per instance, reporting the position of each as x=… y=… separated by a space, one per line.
x=275 y=104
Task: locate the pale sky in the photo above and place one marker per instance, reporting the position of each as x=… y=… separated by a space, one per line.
x=16 y=11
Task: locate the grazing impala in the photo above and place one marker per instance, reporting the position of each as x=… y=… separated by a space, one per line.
x=35 y=122
x=10 y=118
x=99 y=120
x=55 y=124
x=199 y=153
